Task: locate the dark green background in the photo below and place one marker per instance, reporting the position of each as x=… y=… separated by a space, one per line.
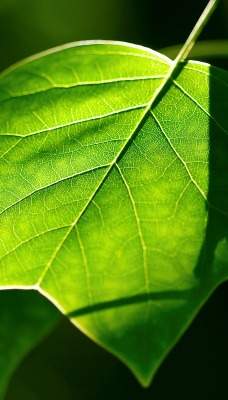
x=66 y=365
x=30 y=26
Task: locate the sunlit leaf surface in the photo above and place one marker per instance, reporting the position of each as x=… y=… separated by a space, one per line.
x=113 y=192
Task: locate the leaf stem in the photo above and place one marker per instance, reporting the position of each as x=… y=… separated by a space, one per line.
x=202 y=21
x=208 y=11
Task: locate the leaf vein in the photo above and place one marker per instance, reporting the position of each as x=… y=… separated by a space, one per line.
x=78 y=84
x=142 y=241
x=179 y=157
x=76 y=122
x=52 y=184
x=199 y=105
x=32 y=238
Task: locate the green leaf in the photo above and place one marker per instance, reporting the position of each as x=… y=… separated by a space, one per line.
x=25 y=317
x=114 y=191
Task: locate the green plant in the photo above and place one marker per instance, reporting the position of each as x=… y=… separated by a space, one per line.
x=113 y=192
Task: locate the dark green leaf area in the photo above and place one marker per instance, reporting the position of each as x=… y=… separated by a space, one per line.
x=25 y=318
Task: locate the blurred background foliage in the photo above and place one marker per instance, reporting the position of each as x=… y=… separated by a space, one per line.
x=67 y=365
x=30 y=26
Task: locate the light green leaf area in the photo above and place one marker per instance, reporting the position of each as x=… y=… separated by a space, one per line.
x=113 y=192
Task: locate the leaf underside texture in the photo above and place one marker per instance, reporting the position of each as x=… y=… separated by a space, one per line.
x=113 y=192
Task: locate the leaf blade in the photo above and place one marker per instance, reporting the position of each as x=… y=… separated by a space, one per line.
x=110 y=195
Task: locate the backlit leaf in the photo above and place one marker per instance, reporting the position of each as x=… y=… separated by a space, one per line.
x=113 y=191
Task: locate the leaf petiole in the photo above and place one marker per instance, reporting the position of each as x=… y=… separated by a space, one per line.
x=202 y=21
